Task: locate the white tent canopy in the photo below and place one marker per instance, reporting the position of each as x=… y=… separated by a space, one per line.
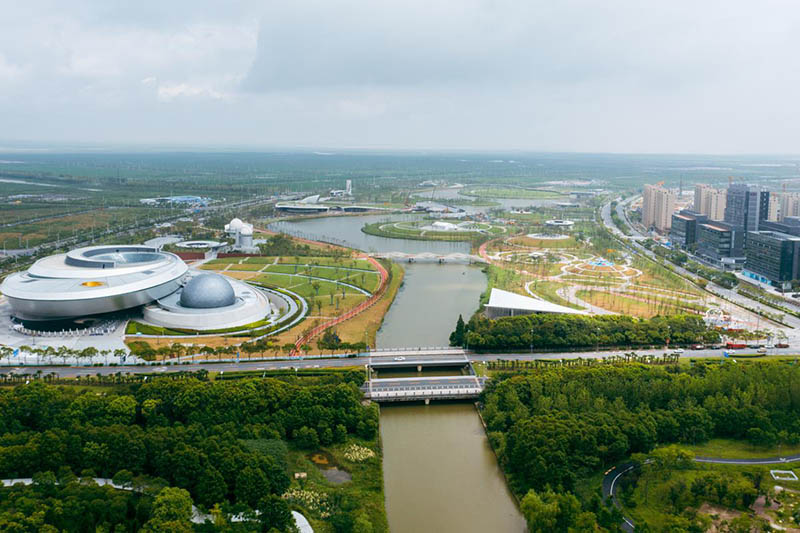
x=504 y=303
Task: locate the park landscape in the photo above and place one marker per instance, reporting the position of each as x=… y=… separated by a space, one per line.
x=558 y=427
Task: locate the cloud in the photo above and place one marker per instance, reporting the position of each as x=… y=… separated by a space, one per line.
x=585 y=75
x=169 y=92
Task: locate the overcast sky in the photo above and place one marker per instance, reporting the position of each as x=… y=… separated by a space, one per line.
x=555 y=75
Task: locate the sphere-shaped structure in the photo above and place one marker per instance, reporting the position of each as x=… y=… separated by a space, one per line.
x=207 y=291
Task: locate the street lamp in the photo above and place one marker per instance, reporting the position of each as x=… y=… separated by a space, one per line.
x=531 y=338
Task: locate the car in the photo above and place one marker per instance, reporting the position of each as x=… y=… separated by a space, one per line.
x=762 y=350
x=782 y=345
x=677 y=350
x=401 y=358
x=697 y=346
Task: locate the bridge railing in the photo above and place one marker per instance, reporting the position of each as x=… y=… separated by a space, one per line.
x=418 y=349
x=426 y=393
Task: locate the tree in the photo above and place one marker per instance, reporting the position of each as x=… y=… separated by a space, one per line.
x=457 y=336
x=306 y=438
x=541 y=515
x=172 y=511
x=251 y=484
x=274 y=513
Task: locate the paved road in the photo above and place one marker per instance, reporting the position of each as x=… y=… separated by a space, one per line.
x=612 y=477
x=331 y=362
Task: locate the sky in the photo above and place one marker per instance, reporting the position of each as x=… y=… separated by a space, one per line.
x=572 y=75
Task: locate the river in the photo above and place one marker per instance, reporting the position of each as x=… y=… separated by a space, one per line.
x=440 y=475
x=439 y=472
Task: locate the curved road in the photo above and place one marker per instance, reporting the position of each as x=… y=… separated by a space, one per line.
x=614 y=474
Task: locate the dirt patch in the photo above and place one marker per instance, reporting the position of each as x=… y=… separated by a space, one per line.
x=336 y=476
x=321 y=458
x=326 y=465
x=718 y=515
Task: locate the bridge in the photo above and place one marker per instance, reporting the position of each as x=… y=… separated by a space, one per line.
x=414 y=351
x=423 y=389
x=418 y=361
x=428 y=257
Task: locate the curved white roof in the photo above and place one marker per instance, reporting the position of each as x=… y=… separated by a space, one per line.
x=94 y=272
x=508 y=300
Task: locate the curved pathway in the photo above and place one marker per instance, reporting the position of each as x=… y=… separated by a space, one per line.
x=613 y=475
x=377 y=295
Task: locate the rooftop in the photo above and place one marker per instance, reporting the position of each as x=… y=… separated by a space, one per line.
x=508 y=300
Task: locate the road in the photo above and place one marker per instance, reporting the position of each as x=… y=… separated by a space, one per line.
x=7 y=365
x=612 y=477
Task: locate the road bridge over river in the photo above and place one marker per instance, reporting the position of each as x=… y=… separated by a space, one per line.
x=418 y=361
x=423 y=388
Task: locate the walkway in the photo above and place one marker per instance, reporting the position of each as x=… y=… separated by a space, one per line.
x=613 y=475
x=363 y=306
x=423 y=389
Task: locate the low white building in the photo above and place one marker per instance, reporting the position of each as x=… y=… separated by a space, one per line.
x=504 y=303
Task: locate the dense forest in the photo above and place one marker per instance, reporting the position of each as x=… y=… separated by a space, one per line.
x=574 y=331
x=224 y=442
x=554 y=427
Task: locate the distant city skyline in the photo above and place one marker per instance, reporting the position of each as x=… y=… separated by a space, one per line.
x=581 y=76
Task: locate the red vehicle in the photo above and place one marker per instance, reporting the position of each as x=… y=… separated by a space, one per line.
x=735 y=346
x=781 y=345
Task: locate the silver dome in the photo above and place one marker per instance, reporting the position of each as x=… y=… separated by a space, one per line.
x=207 y=291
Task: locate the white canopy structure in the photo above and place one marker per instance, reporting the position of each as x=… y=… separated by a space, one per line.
x=504 y=303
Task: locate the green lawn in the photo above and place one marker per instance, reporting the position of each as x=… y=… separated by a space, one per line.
x=735 y=449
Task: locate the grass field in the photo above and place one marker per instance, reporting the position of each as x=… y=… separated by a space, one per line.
x=737 y=449
x=35 y=233
x=618 y=303
x=568 y=244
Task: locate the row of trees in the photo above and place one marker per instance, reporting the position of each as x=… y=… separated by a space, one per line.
x=49 y=353
x=556 y=425
x=574 y=331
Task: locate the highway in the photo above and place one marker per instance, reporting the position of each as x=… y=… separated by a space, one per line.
x=7 y=365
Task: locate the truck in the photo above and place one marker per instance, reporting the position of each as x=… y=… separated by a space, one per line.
x=735 y=346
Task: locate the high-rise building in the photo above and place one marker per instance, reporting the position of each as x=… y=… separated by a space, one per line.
x=683 y=232
x=789 y=204
x=775 y=212
x=720 y=243
x=773 y=258
x=658 y=205
x=709 y=201
x=746 y=206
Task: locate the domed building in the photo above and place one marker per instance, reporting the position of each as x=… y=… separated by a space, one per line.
x=207 y=291
x=209 y=301
x=242 y=235
x=63 y=290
